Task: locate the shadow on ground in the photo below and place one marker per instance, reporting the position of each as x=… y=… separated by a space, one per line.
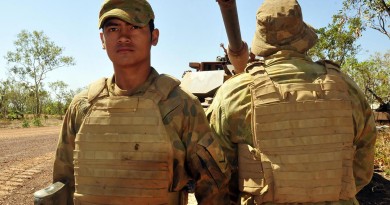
x=377 y=192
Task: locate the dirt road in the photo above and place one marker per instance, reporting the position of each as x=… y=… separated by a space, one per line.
x=26 y=160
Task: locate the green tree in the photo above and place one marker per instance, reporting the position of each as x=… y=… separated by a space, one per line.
x=4 y=90
x=34 y=56
x=14 y=98
x=373 y=74
x=375 y=14
x=61 y=94
x=337 y=41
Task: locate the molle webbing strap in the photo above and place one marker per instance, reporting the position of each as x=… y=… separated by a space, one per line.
x=303 y=139
x=123 y=153
x=98 y=200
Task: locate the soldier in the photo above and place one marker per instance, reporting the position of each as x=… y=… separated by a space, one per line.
x=137 y=137
x=294 y=130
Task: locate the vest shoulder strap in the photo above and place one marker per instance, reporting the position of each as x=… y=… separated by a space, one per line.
x=254 y=67
x=164 y=84
x=329 y=65
x=96 y=89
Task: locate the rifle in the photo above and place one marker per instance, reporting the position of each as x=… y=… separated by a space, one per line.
x=55 y=194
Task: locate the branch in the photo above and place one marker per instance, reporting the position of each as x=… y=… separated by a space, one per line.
x=387 y=8
x=381 y=26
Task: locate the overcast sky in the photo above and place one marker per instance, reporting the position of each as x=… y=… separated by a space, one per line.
x=190 y=31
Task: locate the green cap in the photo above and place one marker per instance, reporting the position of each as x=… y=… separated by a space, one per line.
x=135 y=12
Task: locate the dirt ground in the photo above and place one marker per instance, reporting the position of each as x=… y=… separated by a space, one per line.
x=26 y=159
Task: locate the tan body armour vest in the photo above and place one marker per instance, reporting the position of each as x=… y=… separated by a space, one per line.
x=123 y=154
x=303 y=138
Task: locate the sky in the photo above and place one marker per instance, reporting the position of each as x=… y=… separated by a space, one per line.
x=190 y=31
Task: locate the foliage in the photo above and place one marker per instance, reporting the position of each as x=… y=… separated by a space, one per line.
x=375 y=14
x=4 y=99
x=373 y=74
x=62 y=97
x=25 y=123
x=337 y=41
x=37 y=122
x=382 y=152
x=34 y=56
x=17 y=100
x=14 y=98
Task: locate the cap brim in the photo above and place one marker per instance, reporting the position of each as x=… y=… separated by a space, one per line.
x=120 y=14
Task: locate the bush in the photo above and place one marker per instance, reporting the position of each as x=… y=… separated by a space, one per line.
x=37 y=122
x=25 y=123
x=382 y=152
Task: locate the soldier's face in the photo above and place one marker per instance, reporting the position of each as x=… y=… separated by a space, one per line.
x=126 y=44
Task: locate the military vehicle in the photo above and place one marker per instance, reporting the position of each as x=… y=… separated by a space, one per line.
x=207 y=77
x=382 y=113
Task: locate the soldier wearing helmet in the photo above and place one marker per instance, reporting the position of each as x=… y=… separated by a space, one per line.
x=137 y=137
x=294 y=130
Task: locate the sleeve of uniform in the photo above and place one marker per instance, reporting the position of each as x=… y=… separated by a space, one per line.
x=219 y=124
x=230 y=119
x=63 y=169
x=365 y=137
x=206 y=160
x=218 y=119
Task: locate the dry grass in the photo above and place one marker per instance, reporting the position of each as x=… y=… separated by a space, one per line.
x=46 y=122
x=382 y=152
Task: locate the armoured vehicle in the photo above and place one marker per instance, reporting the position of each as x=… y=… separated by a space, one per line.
x=210 y=75
x=206 y=77
x=382 y=113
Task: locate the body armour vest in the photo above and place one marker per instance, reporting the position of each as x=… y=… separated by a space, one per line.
x=123 y=154
x=303 y=141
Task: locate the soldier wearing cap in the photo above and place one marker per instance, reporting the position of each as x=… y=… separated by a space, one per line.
x=294 y=130
x=137 y=137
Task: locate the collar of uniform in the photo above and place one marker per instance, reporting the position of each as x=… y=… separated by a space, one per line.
x=116 y=91
x=284 y=55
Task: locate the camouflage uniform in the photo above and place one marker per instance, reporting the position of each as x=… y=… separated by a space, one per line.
x=230 y=114
x=196 y=154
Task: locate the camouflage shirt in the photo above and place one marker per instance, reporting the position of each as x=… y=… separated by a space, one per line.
x=197 y=156
x=230 y=113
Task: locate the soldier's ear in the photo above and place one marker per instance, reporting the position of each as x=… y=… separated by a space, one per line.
x=155 y=35
x=103 y=42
